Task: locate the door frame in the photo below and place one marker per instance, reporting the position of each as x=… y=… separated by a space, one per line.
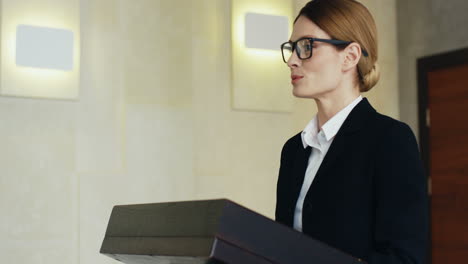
x=424 y=66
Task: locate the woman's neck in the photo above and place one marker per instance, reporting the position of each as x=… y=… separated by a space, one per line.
x=329 y=106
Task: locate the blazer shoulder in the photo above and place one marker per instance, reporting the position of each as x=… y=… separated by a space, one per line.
x=375 y=123
x=293 y=142
x=390 y=125
x=394 y=134
x=291 y=145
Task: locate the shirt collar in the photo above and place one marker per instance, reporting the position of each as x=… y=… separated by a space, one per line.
x=330 y=128
x=310 y=133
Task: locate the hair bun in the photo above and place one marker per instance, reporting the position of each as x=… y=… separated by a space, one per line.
x=371 y=78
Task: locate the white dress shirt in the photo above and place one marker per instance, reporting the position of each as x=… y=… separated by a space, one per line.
x=320 y=142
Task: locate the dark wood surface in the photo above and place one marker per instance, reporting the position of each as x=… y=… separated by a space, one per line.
x=448 y=103
x=211 y=231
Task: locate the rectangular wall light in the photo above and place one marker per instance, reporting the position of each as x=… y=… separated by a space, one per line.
x=265 y=31
x=43 y=47
x=40 y=49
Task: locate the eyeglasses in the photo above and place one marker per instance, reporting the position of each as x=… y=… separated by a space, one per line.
x=303 y=47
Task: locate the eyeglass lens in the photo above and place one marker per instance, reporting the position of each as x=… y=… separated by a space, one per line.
x=303 y=49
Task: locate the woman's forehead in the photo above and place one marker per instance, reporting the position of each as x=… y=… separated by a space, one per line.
x=304 y=27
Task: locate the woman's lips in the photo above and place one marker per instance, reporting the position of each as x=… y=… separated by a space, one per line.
x=295 y=78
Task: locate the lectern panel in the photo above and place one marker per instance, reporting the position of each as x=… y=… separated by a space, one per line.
x=211 y=231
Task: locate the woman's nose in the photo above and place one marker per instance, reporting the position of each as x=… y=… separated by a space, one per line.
x=293 y=60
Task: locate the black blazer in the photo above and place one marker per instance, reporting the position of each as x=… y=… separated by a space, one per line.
x=369 y=197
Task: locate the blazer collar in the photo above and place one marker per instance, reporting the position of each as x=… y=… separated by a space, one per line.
x=358 y=117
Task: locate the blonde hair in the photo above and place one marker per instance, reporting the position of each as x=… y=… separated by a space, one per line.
x=349 y=20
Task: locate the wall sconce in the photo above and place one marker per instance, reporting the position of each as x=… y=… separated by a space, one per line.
x=260 y=79
x=265 y=31
x=42 y=47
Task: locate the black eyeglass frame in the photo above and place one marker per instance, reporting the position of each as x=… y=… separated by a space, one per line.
x=335 y=42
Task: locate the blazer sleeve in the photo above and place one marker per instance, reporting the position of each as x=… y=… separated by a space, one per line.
x=401 y=200
x=281 y=187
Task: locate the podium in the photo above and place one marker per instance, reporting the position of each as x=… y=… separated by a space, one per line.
x=208 y=231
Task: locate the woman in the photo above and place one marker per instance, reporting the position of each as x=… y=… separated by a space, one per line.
x=353 y=178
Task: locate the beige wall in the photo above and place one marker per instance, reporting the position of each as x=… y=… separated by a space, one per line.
x=153 y=124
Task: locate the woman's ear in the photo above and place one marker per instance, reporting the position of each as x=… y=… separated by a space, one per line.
x=352 y=55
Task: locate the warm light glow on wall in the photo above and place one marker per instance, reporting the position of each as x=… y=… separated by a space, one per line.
x=17 y=80
x=260 y=78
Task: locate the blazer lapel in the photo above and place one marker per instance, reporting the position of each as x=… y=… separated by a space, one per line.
x=354 y=122
x=336 y=149
x=299 y=169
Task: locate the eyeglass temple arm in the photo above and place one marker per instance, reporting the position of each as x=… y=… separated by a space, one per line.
x=340 y=42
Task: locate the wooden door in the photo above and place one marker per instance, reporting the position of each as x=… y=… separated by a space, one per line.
x=446 y=125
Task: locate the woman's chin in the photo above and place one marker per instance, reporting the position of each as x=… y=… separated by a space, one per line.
x=297 y=92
